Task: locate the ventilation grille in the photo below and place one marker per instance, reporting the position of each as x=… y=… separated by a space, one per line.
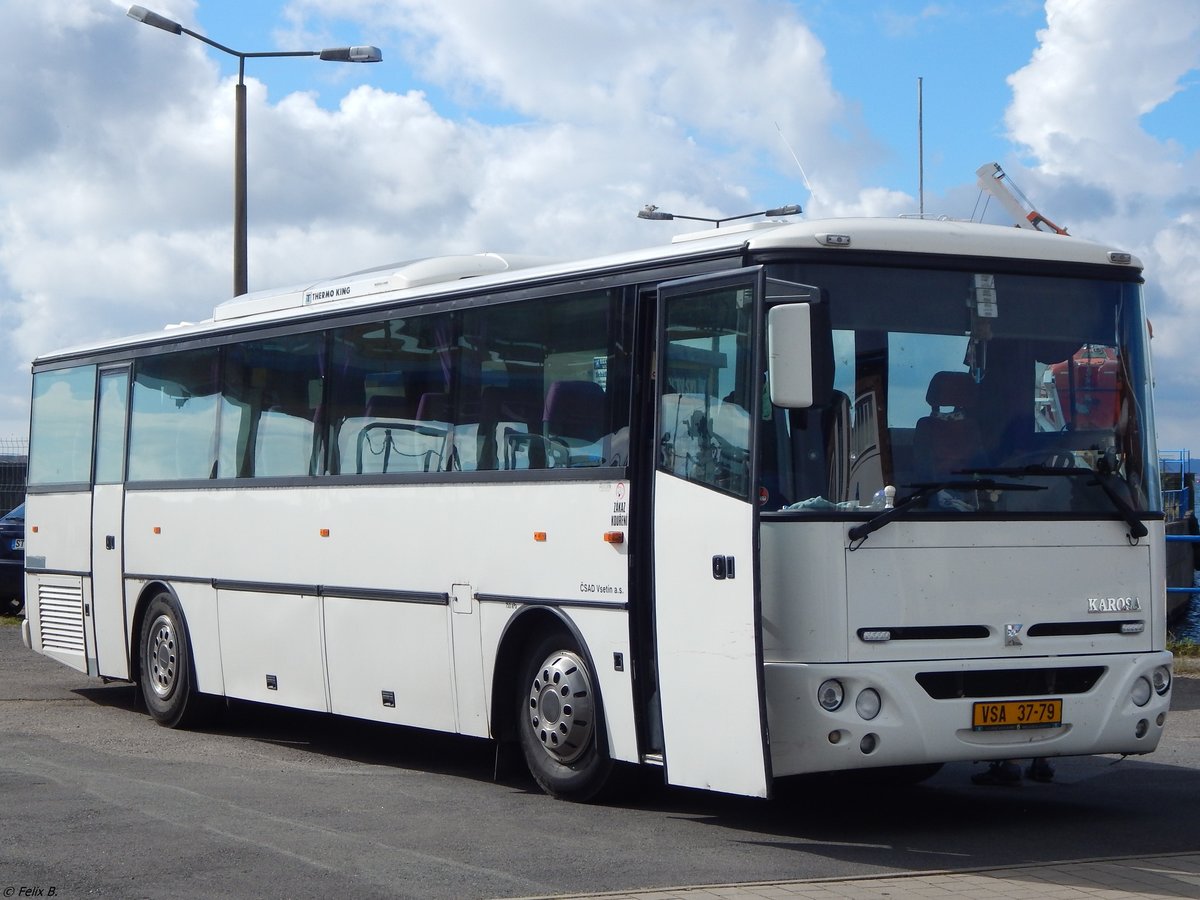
x=1067 y=629
x=60 y=610
x=923 y=633
x=1010 y=682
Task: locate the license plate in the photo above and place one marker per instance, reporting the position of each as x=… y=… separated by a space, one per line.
x=18 y=543
x=1014 y=714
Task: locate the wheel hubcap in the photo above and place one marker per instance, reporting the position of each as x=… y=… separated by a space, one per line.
x=560 y=706
x=162 y=657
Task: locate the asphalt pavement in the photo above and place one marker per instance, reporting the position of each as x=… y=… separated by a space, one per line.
x=98 y=801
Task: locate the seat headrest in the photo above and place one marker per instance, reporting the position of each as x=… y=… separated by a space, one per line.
x=955 y=389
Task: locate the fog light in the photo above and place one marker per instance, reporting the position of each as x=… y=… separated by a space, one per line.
x=835 y=737
x=1161 y=679
x=1142 y=727
x=1140 y=692
x=1162 y=717
x=868 y=704
x=868 y=743
x=831 y=694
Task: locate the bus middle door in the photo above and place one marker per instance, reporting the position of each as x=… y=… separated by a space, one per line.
x=109 y=652
x=705 y=533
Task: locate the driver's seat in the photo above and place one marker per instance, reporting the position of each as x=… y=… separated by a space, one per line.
x=947 y=440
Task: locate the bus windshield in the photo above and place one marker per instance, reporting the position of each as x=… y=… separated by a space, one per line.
x=968 y=392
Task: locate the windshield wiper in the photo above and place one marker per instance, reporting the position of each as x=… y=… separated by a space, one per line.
x=859 y=533
x=1107 y=481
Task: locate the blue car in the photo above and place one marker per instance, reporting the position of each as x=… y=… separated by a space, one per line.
x=12 y=562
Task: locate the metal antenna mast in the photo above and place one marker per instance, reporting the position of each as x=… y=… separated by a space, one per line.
x=921 y=145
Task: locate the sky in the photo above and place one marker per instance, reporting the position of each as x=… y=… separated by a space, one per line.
x=542 y=126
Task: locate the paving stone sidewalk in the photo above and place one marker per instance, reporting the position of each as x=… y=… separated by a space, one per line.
x=1174 y=875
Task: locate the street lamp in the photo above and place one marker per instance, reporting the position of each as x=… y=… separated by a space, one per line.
x=332 y=54
x=652 y=212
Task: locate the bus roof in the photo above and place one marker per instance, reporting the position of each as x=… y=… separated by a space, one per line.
x=430 y=277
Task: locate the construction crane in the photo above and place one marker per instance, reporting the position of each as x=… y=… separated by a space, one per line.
x=992 y=179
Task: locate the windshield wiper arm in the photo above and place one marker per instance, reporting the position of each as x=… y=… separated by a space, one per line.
x=1137 y=528
x=859 y=532
x=1107 y=481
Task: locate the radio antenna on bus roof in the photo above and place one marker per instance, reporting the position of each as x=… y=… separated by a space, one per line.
x=921 y=146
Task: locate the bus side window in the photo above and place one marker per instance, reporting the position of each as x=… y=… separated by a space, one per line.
x=173 y=427
x=271 y=396
x=382 y=415
x=538 y=371
x=61 y=426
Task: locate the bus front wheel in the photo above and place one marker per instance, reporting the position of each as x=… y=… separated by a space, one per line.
x=166 y=665
x=559 y=720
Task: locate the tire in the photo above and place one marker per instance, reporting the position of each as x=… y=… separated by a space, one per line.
x=560 y=721
x=165 y=666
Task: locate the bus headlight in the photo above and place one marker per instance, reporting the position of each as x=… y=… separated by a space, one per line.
x=1140 y=692
x=1161 y=679
x=831 y=694
x=868 y=704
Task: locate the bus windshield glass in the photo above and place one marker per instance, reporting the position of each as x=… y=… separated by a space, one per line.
x=969 y=392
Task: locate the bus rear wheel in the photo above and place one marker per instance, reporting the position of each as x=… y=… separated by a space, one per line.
x=559 y=720
x=167 y=680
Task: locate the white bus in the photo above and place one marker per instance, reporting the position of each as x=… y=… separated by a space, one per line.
x=774 y=499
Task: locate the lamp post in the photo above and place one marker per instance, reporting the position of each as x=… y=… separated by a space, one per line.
x=653 y=213
x=332 y=54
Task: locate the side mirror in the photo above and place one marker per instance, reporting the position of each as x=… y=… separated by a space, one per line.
x=789 y=355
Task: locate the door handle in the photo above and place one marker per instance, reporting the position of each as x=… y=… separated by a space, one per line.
x=723 y=567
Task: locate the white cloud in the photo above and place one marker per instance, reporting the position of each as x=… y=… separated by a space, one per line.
x=663 y=76
x=1099 y=68
x=115 y=163
x=1077 y=115
x=115 y=172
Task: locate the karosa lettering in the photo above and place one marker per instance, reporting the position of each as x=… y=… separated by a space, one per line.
x=1114 y=604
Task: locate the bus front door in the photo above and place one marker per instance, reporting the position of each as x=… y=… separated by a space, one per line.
x=706 y=600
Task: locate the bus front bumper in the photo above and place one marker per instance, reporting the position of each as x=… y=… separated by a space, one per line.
x=912 y=727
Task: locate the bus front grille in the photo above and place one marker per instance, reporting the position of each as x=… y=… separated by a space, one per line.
x=1010 y=682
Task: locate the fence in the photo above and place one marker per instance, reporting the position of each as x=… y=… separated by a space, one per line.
x=1179 y=510
x=14 y=465
x=1178 y=484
